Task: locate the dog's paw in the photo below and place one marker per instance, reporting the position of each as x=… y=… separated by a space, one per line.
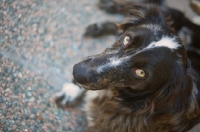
x=93 y=30
x=68 y=95
x=100 y=29
x=109 y=6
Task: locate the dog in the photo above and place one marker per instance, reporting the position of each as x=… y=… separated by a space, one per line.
x=148 y=80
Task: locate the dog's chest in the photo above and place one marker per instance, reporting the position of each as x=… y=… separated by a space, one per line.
x=102 y=119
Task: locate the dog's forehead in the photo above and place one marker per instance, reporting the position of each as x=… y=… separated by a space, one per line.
x=153 y=27
x=165 y=41
x=155 y=36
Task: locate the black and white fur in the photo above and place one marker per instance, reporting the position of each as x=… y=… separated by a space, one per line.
x=166 y=99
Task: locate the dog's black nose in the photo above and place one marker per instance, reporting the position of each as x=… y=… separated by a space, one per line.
x=79 y=72
x=83 y=73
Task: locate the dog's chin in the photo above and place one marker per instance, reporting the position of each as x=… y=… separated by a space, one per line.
x=93 y=87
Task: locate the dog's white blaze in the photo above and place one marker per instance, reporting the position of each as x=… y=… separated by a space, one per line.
x=164 y=42
x=113 y=62
x=101 y=68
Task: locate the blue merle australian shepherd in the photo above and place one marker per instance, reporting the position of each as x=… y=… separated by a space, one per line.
x=148 y=80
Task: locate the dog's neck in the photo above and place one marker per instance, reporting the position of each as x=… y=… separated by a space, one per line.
x=139 y=102
x=110 y=101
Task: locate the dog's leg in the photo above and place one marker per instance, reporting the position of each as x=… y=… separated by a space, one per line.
x=70 y=95
x=185 y=28
x=99 y=29
x=195 y=32
x=115 y=6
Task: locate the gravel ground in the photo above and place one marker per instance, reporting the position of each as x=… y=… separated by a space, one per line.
x=40 y=40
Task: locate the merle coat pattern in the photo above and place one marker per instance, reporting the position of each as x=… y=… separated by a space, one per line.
x=147 y=81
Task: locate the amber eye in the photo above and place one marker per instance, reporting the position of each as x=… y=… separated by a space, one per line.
x=140 y=73
x=126 y=40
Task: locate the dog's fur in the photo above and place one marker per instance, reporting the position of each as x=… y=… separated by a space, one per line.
x=166 y=99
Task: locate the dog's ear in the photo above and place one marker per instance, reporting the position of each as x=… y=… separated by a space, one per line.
x=149 y=13
x=174 y=96
x=140 y=14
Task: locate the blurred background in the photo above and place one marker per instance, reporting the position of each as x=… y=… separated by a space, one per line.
x=40 y=41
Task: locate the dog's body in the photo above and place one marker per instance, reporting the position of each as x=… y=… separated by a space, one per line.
x=145 y=82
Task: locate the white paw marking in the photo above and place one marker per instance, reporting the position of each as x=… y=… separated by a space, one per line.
x=70 y=92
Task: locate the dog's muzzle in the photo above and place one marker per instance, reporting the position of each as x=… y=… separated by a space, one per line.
x=98 y=71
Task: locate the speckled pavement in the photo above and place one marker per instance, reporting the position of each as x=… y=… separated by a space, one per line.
x=40 y=41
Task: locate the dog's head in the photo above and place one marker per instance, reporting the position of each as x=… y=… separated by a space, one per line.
x=146 y=56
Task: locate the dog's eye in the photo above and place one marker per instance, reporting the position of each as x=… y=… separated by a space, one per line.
x=126 y=40
x=140 y=73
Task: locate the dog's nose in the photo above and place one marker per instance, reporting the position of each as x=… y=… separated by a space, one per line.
x=79 y=72
x=83 y=73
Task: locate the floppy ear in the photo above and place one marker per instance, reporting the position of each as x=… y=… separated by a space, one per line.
x=174 y=97
x=150 y=13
